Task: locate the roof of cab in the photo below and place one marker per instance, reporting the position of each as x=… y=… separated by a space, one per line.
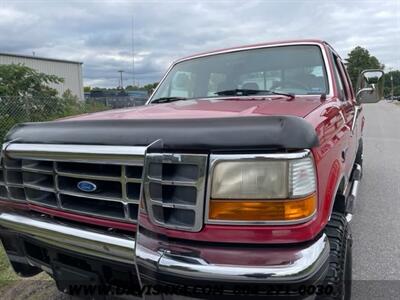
x=258 y=45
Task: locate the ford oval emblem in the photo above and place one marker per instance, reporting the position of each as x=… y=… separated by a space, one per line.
x=87 y=186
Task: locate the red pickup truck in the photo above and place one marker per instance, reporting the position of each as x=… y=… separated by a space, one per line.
x=238 y=177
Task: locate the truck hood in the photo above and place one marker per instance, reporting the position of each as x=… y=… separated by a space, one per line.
x=212 y=108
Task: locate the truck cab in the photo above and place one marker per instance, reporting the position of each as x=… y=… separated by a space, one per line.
x=237 y=178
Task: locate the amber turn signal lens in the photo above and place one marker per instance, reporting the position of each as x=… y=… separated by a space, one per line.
x=262 y=210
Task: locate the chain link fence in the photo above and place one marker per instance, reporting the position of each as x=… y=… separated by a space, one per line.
x=118 y=101
x=14 y=110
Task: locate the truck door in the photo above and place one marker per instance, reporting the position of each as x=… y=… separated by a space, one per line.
x=348 y=111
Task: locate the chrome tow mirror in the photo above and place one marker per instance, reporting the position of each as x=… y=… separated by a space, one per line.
x=370 y=86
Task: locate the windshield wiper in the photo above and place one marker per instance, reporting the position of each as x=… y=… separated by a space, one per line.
x=246 y=92
x=167 y=99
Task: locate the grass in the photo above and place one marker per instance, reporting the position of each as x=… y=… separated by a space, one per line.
x=13 y=287
x=7 y=274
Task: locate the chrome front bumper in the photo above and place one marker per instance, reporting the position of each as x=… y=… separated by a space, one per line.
x=289 y=264
x=109 y=246
x=240 y=264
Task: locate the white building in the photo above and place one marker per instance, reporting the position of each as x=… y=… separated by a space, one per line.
x=70 y=71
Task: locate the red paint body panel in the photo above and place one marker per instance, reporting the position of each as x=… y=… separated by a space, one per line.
x=212 y=108
x=6 y=204
x=239 y=234
x=220 y=255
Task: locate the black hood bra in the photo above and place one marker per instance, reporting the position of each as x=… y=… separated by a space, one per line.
x=205 y=134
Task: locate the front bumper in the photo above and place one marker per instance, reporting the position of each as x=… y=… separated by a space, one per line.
x=83 y=261
x=161 y=261
x=84 y=241
x=173 y=263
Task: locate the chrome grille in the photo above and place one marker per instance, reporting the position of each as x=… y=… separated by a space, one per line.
x=174 y=188
x=48 y=175
x=11 y=183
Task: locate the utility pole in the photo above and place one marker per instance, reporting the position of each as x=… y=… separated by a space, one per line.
x=391 y=81
x=121 y=83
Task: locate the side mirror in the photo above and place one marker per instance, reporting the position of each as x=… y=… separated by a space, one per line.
x=370 y=86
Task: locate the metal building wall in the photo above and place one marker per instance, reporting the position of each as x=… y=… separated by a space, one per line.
x=70 y=71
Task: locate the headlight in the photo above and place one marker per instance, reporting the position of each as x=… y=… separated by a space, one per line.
x=250 y=180
x=262 y=188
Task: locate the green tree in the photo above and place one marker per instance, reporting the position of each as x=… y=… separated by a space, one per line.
x=360 y=59
x=87 y=89
x=147 y=87
x=21 y=81
x=27 y=96
x=133 y=88
x=395 y=76
x=150 y=87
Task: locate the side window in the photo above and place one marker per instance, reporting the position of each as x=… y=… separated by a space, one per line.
x=349 y=86
x=340 y=80
x=181 y=85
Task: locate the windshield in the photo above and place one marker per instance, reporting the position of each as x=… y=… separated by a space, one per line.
x=284 y=69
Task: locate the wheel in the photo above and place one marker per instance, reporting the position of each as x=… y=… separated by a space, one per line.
x=340 y=259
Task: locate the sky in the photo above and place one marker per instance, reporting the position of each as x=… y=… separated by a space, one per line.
x=99 y=32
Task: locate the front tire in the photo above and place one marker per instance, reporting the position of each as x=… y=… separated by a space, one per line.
x=340 y=259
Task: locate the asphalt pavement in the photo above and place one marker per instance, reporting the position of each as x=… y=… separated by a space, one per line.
x=376 y=222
